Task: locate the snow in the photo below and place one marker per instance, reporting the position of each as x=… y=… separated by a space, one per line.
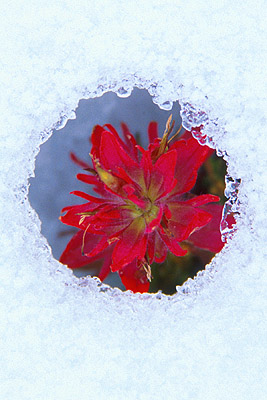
x=65 y=338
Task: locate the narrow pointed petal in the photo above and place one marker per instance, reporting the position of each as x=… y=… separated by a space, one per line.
x=151 y=246
x=78 y=161
x=91 y=180
x=130 y=141
x=111 y=128
x=152 y=131
x=146 y=166
x=99 y=186
x=202 y=199
x=88 y=197
x=161 y=249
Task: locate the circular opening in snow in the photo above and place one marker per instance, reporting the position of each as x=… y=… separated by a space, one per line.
x=55 y=178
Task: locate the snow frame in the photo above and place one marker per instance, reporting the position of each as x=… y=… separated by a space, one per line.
x=63 y=338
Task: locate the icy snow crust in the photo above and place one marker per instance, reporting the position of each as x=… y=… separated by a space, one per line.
x=63 y=338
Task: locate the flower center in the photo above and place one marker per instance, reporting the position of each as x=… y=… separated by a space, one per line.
x=149 y=213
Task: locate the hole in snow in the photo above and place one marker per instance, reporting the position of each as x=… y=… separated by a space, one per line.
x=55 y=177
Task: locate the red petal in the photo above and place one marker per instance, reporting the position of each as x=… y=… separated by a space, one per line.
x=91 y=180
x=153 y=149
x=129 y=190
x=167 y=212
x=134 y=277
x=72 y=255
x=146 y=166
x=156 y=248
x=186 y=135
x=209 y=237
x=81 y=207
x=132 y=244
x=101 y=245
x=130 y=141
x=151 y=241
x=99 y=186
x=123 y=175
x=162 y=175
x=112 y=155
x=155 y=222
x=152 y=131
x=78 y=161
x=197 y=132
x=96 y=139
x=110 y=220
x=88 y=197
x=138 y=178
x=71 y=217
x=105 y=269
x=190 y=156
x=161 y=249
x=202 y=199
x=172 y=244
x=186 y=219
x=114 y=132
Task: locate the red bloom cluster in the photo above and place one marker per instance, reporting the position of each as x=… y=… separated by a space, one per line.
x=144 y=208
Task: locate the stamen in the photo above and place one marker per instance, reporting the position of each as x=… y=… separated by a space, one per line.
x=87 y=213
x=114 y=239
x=91 y=170
x=84 y=238
x=168 y=128
x=177 y=133
x=147 y=269
x=163 y=142
x=82 y=219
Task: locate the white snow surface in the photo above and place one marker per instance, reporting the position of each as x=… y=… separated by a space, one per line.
x=65 y=338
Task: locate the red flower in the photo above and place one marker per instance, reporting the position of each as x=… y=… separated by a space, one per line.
x=144 y=208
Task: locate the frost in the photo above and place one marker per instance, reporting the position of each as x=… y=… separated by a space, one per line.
x=66 y=338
